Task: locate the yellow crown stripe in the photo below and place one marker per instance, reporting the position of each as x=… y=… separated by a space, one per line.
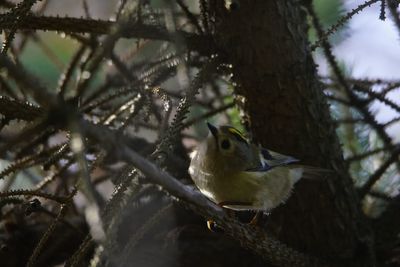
x=236 y=132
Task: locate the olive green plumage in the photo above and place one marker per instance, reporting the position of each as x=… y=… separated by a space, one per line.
x=239 y=175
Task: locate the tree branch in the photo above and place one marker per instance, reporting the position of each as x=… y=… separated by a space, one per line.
x=394 y=157
x=324 y=36
x=199 y=43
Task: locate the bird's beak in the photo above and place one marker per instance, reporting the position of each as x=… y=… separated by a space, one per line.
x=213 y=129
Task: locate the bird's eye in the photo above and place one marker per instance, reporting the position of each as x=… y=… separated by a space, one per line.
x=225 y=144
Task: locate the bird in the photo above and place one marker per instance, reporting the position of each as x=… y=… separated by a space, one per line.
x=239 y=175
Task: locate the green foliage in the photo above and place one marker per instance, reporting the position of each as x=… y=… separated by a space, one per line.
x=35 y=57
x=329 y=11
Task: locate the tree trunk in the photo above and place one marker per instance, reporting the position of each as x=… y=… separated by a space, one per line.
x=266 y=41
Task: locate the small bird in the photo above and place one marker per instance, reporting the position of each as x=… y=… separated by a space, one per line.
x=239 y=175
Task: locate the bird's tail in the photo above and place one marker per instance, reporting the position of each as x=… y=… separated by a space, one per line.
x=312 y=173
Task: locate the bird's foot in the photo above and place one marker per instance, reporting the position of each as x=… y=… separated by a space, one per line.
x=255 y=221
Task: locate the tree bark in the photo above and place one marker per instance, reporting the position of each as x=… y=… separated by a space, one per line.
x=266 y=41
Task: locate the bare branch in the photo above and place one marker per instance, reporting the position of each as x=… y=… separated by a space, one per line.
x=394 y=157
x=201 y=44
x=324 y=35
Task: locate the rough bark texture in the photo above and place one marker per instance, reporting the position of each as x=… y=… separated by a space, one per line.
x=266 y=41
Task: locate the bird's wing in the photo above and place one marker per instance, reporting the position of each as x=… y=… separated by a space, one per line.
x=275 y=159
x=269 y=159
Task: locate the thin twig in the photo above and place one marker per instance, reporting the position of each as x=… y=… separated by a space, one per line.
x=35 y=193
x=191 y=17
x=208 y=115
x=394 y=157
x=324 y=35
x=393 y=5
x=366 y=154
x=42 y=242
x=66 y=77
x=195 y=42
